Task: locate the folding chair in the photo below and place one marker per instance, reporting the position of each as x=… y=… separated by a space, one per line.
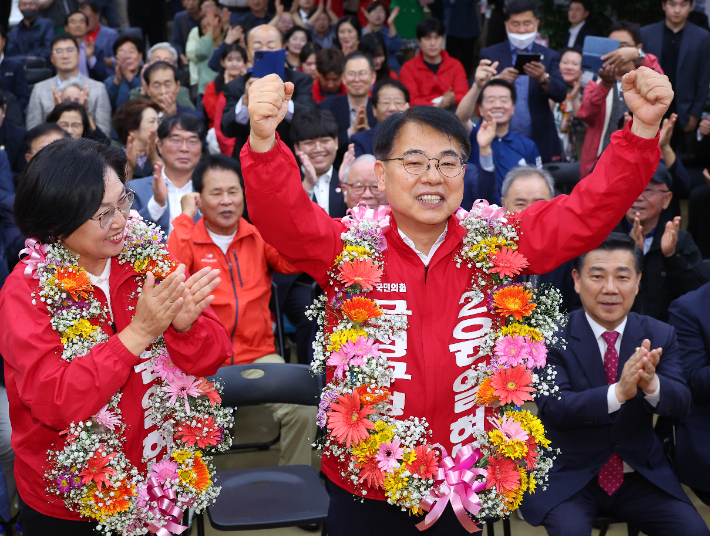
x=566 y=175
x=268 y=497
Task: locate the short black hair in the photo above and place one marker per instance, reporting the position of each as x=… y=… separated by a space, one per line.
x=428 y=26
x=312 y=124
x=63 y=186
x=93 y=6
x=62 y=37
x=359 y=55
x=516 y=7
x=615 y=242
x=214 y=161
x=586 y=4
x=329 y=60
x=308 y=49
x=295 y=29
x=42 y=130
x=66 y=19
x=565 y=50
x=625 y=26
x=185 y=121
x=70 y=106
x=436 y=118
x=138 y=43
x=502 y=83
x=391 y=82
x=372 y=6
x=160 y=66
x=350 y=20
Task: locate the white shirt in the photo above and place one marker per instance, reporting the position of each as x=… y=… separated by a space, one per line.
x=101 y=281
x=424 y=257
x=612 y=402
x=241 y=112
x=174 y=196
x=322 y=190
x=573 y=33
x=223 y=241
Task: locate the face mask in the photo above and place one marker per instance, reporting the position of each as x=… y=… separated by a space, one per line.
x=522 y=41
x=29 y=14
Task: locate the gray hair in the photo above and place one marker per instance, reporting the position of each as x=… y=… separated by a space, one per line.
x=66 y=85
x=362 y=158
x=526 y=171
x=163 y=46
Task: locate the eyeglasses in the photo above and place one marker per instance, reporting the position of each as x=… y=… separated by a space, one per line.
x=651 y=192
x=359 y=188
x=124 y=205
x=352 y=75
x=417 y=163
x=192 y=142
x=65 y=125
x=60 y=51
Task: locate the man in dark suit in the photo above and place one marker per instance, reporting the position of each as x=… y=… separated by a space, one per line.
x=539 y=81
x=577 y=14
x=12 y=74
x=610 y=384
x=682 y=49
x=690 y=316
x=388 y=97
x=353 y=111
x=235 y=117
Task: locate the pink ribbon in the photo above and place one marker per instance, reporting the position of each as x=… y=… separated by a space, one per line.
x=36 y=254
x=165 y=497
x=362 y=212
x=491 y=212
x=456 y=482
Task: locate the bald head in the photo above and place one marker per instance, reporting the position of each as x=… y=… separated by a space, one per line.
x=263 y=37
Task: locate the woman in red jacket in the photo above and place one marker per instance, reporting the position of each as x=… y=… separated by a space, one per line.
x=104 y=369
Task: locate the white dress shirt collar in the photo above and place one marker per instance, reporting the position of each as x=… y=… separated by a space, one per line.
x=599 y=330
x=424 y=257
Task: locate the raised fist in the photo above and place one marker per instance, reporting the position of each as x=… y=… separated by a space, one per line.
x=648 y=95
x=268 y=104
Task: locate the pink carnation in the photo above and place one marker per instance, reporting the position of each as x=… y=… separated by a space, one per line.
x=511 y=351
x=537 y=354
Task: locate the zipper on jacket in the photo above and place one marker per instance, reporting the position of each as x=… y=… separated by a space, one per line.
x=236 y=300
x=239 y=273
x=426 y=272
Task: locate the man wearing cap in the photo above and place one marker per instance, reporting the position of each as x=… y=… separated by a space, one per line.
x=671 y=262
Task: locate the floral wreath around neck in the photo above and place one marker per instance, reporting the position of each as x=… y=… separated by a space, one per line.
x=376 y=451
x=92 y=473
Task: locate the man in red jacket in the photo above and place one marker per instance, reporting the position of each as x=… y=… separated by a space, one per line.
x=433 y=77
x=420 y=278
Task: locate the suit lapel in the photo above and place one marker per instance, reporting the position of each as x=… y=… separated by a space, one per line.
x=586 y=350
x=632 y=339
x=684 y=46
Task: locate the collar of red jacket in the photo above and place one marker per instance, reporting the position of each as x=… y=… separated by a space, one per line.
x=445 y=60
x=318 y=93
x=454 y=236
x=201 y=236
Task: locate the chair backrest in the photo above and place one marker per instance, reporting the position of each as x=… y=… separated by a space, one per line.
x=280 y=383
x=706 y=268
x=37 y=75
x=566 y=175
x=35 y=63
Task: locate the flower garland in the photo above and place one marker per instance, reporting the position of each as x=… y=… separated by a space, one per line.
x=488 y=477
x=91 y=473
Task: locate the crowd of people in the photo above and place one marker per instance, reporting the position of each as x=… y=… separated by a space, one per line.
x=178 y=114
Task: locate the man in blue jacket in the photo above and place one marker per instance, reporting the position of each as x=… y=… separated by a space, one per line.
x=539 y=81
x=32 y=36
x=610 y=383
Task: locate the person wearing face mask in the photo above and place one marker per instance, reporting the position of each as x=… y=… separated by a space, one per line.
x=32 y=36
x=539 y=81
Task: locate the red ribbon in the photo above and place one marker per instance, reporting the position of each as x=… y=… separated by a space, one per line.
x=456 y=482
x=36 y=254
x=165 y=496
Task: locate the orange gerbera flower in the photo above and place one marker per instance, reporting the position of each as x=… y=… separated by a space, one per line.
x=76 y=282
x=513 y=301
x=207 y=389
x=160 y=268
x=110 y=501
x=486 y=393
x=371 y=473
x=204 y=432
x=502 y=473
x=370 y=398
x=359 y=272
x=359 y=309
x=511 y=385
x=97 y=471
x=508 y=262
x=202 y=478
x=348 y=420
x=426 y=464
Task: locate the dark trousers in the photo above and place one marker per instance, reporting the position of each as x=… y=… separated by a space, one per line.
x=35 y=524
x=349 y=515
x=639 y=502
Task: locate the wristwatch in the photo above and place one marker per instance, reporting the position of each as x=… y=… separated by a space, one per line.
x=642 y=55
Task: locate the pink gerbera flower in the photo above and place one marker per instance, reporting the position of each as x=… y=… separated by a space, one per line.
x=164 y=367
x=510 y=428
x=339 y=360
x=164 y=470
x=510 y=350
x=360 y=350
x=182 y=386
x=388 y=454
x=536 y=354
x=107 y=418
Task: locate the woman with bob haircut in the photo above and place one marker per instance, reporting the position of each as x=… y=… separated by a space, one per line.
x=72 y=117
x=100 y=349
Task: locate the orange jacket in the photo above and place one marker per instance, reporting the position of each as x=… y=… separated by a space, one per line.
x=241 y=300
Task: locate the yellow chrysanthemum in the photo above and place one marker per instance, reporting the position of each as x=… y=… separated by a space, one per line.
x=370 y=446
x=353 y=252
x=532 y=483
x=181 y=455
x=409 y=457
x=81 y=328
x=521 y=330
x=487 y=247
x=515 y=498
x=338 y=338
x=531 y=425
x=186 y=475
x=510 y=448
x=395 y=484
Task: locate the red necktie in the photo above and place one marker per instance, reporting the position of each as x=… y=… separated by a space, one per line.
x=612 y=474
